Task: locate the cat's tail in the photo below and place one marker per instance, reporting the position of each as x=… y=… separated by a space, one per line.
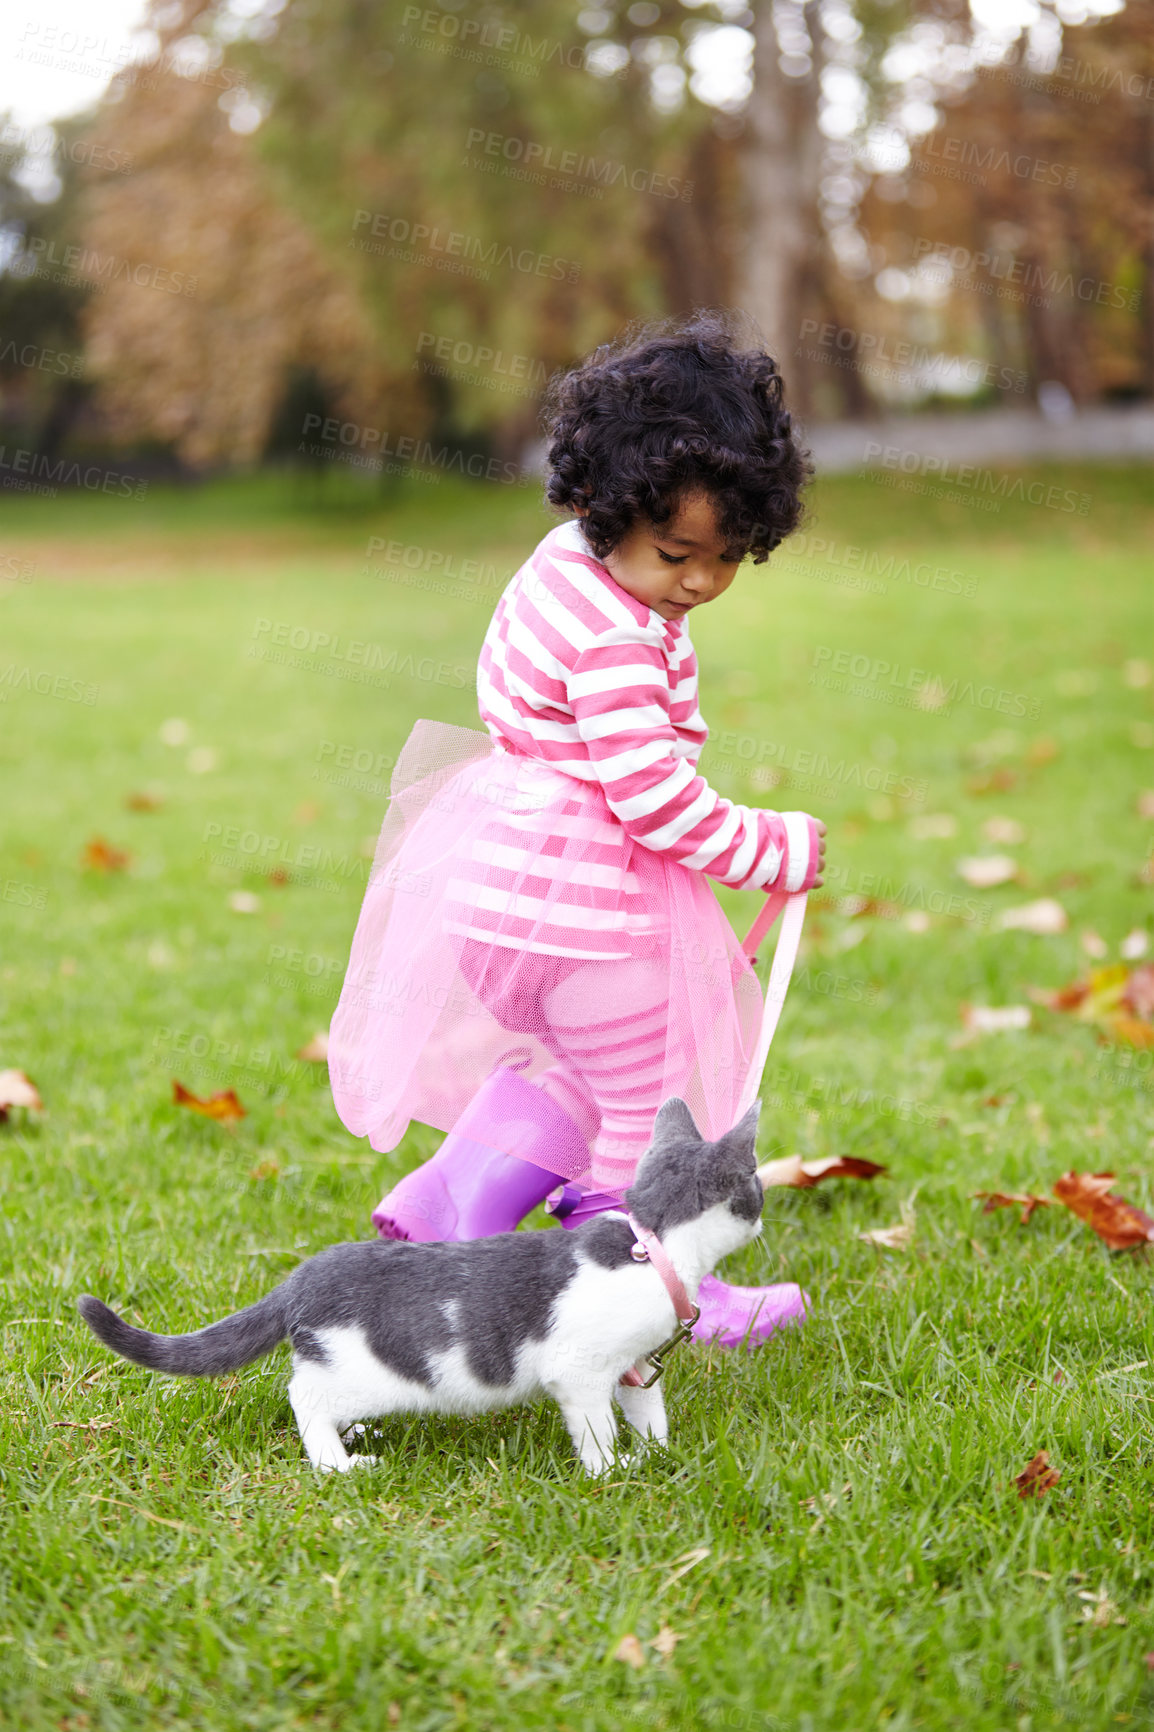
x=223 y=1346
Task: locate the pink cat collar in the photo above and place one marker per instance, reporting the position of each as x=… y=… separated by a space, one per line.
x=649 y=1249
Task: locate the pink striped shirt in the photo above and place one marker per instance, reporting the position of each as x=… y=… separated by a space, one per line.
x=578 y=675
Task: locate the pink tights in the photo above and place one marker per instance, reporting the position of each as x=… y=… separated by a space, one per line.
x=607 y=1026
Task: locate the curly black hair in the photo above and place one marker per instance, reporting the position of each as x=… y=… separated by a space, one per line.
x=668 y=410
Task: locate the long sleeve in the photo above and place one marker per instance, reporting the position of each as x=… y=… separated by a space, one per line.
x=618 y=692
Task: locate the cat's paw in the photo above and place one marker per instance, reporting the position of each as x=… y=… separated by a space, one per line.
x=364 y=1460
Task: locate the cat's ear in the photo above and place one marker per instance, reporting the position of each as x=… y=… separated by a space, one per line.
x=674 y=1119
x=739 y=1144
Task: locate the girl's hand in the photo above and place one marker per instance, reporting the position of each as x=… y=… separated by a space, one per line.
x=820 y=879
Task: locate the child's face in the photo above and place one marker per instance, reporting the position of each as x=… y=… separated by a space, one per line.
x=678 y=565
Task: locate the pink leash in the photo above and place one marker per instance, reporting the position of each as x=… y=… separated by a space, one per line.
x=784 y=956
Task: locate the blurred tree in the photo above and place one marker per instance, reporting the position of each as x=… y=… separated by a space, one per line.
x=429 y=209
x=1024 y=221
x=42 y=370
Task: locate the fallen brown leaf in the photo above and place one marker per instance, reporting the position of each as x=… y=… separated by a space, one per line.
x=316 y=1051
x=665 y=1641
x=1037 y=1477
x=630 y=1651
x=992 y=782
x=143 y=801
x=18 y=1090
x=1117 y=1223
x=222 y=1105
x=1010 y=1200
x=792 y=1170
x=101 y=856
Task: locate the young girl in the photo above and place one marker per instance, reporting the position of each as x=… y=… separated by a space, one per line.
x=539 y=961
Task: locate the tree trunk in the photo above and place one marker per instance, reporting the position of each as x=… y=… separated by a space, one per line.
x=781 y=161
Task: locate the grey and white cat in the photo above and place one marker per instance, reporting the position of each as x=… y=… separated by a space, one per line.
x=389 y=1326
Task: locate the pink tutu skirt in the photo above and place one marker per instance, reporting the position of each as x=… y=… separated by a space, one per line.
x=511 y=921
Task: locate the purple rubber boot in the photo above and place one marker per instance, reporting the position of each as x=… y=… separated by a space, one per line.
x=730 y=1316
x=736 y=1316
x=474 y=1185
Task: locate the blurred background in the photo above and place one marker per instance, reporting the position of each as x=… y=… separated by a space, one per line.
x=223 y=225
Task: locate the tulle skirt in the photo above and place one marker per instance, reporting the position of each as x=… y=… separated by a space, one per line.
x=511 y=921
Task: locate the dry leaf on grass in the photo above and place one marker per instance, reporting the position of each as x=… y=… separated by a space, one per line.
x=1010 y=1200
x=244 y=902
x=144 y=801
x=1037 y=1477
x=630 y=1651
x=995 y=1018
x=1100 y=1610
x=1045 y=918
x=1146 y=803
x=998 y=781
x=1006 y=832
x=986 y=871
x=101 y=856
x=18 y=1090
x=1134 y=945
x=317 y=1049
x=900 y=1236
x=895 y=1238
x=792 y=1170
x=222 y=1105
x=665 y=1641
x=1117 y=1223
x=933 y=826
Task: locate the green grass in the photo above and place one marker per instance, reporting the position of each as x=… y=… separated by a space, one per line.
x=168 y=1560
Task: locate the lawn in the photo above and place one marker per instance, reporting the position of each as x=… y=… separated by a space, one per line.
x=214 y=683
